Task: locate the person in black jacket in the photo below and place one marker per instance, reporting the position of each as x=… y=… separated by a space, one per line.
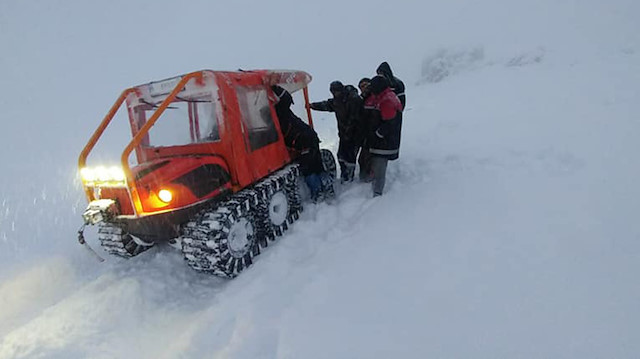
x=304 y=139
x=347 y=105
x=297 y=134
x=369 y=118
x=395 y=83
x=384 y=137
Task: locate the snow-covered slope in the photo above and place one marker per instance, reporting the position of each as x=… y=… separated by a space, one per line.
x=508 y=227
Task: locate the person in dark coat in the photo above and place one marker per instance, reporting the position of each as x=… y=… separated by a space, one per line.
x=369 y=117
x=303 y=138
x=297 y=134
x=395 y=83
x=384 y=137
x=347 y=105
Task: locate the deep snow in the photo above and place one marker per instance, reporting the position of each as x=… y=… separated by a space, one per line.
x=508 y=227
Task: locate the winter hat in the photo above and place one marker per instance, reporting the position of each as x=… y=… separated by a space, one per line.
x=378 y=84
x=351 y=90
x=336 y=86
x=385 y=70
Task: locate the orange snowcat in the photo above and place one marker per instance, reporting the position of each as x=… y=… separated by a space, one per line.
x=211 y=174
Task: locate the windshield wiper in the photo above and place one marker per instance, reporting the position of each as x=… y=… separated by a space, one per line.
x=153 y=105
x=191 y=101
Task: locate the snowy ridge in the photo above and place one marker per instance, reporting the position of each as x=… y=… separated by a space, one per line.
x=485 y=226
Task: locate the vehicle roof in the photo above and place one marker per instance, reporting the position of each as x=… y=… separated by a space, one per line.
x=275 y=76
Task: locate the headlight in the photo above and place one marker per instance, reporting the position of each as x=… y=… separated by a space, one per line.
x=165 y=195
x=117 y=174
x=88 y=174
x=102 y=174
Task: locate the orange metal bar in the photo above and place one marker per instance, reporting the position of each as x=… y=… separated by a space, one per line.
x=82 y=159
x=305 y=91
x=135 y=197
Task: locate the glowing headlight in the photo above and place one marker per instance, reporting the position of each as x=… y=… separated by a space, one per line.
x=117 y=174
x=88 y=174
x=102 y=174
x=165 y=195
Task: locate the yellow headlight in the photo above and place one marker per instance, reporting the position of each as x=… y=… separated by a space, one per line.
x=88 y=174
x=102 y=174
x=165 y=195
x=117 y=174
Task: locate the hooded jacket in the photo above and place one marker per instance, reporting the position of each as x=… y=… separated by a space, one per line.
x=297 y=134
x=384 y=139
x=370 y=118
x=396 y=84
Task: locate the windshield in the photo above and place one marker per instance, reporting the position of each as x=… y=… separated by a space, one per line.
x=184 y=122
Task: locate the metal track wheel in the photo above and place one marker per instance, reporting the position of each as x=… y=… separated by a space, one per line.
x=224 y=240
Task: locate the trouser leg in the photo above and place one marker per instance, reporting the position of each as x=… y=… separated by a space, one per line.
x=319 y=182
x=364 y=161
x=347 y=152
x=379 y=168
x=313 y=172
x=314 y=183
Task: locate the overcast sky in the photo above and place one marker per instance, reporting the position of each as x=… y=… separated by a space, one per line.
x=63 y=63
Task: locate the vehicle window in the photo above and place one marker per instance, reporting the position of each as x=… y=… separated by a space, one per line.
x=172 y=128
x=256 y=116
x=184 y=122
x=209 y=129
x=298 y=106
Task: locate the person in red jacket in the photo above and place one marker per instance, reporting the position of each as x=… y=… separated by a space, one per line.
x=384 y=137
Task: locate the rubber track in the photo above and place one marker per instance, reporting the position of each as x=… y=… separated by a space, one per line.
x=203 y=239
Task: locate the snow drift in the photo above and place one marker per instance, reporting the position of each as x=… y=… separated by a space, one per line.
x=508 y=227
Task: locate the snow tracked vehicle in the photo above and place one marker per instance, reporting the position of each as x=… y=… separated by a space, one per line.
x=207 y=169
